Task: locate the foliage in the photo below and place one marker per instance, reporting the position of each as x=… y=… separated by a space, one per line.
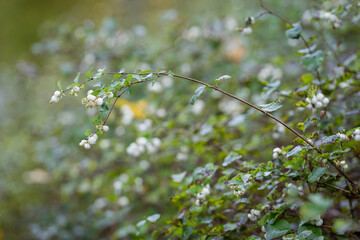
x=212 y=169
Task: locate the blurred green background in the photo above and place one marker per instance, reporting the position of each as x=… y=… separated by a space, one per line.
x=52 y=189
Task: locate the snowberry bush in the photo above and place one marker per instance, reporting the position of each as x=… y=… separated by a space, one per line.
x=251 y=131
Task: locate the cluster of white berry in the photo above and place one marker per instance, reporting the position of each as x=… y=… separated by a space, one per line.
x=317 y=221
x=343 y=164
x=141 y=144
x=200 y=197
x=253 y=214
x=299 y=189
x=277 y=152
x=56 y=97
x=90 y=141
x=238 y=190
x=342 y=136
x=329 y=18
x=356 y=135
x=91 y=100
x=102 y=128
x=249 y=21
x=74 y=91
x=318 y=101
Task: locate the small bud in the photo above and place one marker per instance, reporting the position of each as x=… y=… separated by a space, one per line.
x=57 y=93
x=87 y=146
x=105 y=128
x=322 y=114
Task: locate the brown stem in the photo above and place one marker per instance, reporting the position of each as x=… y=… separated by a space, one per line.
x=341 y=189
x=158 y=74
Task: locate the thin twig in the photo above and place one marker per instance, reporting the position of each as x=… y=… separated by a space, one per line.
x=255 y=107
x=289 y=23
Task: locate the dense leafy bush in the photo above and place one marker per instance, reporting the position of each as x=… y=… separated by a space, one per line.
x=267 y=146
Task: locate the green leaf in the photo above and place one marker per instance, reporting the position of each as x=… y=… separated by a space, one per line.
x=315 y=207
x=304 y=230
x=153 y=218
x=301 y=126
x=316 y=174
x=313 y=61
x=88 y=74
x=104 y=111
x=116 y=76
x=178 y=177
x=141 y=223
x=76 y=80
x=88 y=132
x=171 y=74
x=187 y=231
x=277 y=229
x=96 y=119
x=197 y=93
x=294 y=32
x=230 y=227
x=307 y=78
x=253 y=237
x=294 y=151
x=59 y=85
x=272 y=107
x=305 y=234
x=231 y=157
x=146 y=71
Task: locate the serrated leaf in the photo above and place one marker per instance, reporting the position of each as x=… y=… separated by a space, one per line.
x=153 y=218
x=197 y=94
x=178 y=177
x=294 y=151
x=294 y=32
x=313 y=61
x=277 y=229
x=88 y=132
x=231 y=157
x=316 y=174
x=76 y=80
x=272 y=107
